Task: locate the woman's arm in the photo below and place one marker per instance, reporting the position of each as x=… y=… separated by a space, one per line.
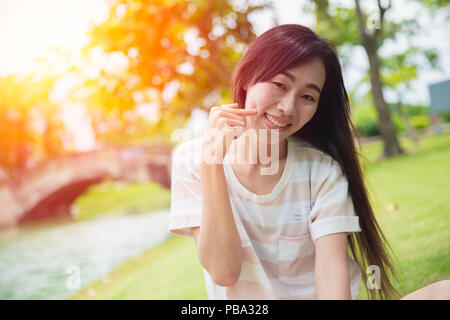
x=439 y=290
x=331 y=271
x=218 y=241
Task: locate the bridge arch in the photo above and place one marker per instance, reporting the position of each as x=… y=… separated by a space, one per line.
x=51 y=187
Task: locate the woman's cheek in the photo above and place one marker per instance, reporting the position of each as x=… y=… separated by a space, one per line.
x=309 y=114
x=263 y=92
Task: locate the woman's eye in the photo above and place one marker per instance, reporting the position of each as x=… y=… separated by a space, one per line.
x=308 y=97
x=279 y=85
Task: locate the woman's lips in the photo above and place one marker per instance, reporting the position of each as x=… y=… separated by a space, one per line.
x=272 y=126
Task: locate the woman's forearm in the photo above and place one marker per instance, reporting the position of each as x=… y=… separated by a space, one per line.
x=332 y=283
x=331 y=271
x=220 y=250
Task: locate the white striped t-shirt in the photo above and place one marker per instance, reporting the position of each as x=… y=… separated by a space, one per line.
x=277 y=230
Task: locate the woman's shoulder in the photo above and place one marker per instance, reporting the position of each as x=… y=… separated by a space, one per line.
x=188 y=152
x=311 y=157
x=188 y=146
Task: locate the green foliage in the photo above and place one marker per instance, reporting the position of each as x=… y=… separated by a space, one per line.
x=364 y=118
x=399 y=124
x=420 y=121
x=348 y=27
x=332 y=21
x=366 y=122
x=157 y=38
x=30 y=127
x=398 y=70
x=436 y=4
x=418 y=116
x=445 y=116
x=415 y=110
x=367 y=127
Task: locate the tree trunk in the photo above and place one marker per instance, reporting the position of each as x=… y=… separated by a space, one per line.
x=387 y=129
x=410 y=131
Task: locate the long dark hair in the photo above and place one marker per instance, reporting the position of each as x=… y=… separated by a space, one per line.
x=330 y=129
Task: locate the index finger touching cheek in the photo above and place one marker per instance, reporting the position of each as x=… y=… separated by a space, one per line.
x=245 y=112
x=232 y=105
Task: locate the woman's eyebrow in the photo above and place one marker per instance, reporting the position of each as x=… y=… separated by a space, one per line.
x=313 y=86
x=309 y=85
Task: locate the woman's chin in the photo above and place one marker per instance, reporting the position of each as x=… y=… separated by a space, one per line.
x=272 y=136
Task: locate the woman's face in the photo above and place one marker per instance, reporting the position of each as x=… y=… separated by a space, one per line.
x=288 y=100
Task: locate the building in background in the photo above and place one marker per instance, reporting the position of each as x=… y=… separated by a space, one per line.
x=440 y=97
x=440 y=103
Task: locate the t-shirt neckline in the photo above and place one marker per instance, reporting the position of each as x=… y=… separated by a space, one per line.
x=229 y=173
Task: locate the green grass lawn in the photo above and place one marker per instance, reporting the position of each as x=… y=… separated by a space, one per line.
x=410 y=194
x=115 y=198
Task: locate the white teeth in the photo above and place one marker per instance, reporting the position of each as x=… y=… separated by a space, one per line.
x=275 y=122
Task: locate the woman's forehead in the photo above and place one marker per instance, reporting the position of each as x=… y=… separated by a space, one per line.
x=309 y=71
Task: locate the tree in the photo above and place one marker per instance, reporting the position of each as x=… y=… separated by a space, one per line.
x=177 y=55
x=30 y=129
x=348 y=27
x=436 y=5
x=398 y=72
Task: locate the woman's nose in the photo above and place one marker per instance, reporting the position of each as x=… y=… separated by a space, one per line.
x=287 y=106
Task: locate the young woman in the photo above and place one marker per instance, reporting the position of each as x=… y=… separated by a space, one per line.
x=283 y=235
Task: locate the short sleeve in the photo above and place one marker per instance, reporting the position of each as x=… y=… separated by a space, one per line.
x=332 y=209
x=186 y=195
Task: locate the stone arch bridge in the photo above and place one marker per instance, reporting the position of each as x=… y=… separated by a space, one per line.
x=51 y=187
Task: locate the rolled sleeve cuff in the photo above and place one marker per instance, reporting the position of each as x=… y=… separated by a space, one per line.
x=325 y=226
x=182 y=225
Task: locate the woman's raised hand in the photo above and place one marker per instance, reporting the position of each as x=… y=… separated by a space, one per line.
x=225 y=121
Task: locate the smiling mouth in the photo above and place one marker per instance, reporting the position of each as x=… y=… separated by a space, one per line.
x=275 y=123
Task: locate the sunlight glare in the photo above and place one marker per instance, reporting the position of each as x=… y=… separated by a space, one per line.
x=29 y=28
